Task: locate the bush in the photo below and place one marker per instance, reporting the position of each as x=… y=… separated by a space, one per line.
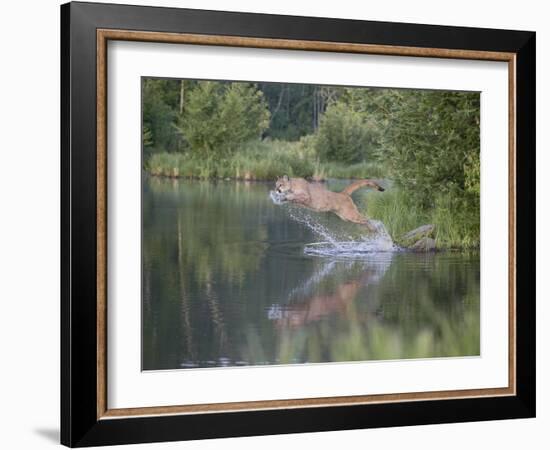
x=350 y=171
x=345 y=135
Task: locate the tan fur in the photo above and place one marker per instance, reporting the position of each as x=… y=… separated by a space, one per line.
x=319 y=306
x=317 y=197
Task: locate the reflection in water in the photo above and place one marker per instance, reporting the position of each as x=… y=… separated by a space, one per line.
x=226 y=281
x=331 y=290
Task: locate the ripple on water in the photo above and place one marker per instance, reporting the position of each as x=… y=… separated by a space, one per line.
x=353 y=249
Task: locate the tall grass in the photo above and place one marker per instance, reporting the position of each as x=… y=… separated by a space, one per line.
x=392 y=208
x=455 y=228
x=457 y=223
x=261 y=160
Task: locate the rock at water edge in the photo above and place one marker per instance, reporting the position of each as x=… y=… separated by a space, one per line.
x=418 y=233
x=425 y=244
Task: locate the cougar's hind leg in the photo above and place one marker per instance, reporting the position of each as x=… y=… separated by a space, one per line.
x=363 y=221
x=352 y=214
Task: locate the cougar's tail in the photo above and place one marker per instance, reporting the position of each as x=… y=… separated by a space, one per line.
x=359 y=184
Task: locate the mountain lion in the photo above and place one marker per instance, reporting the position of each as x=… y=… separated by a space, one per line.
x=317 y=197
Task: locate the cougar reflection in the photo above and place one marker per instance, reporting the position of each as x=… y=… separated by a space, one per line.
x=330 y=291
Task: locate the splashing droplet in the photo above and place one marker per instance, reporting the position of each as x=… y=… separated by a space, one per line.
x=303 y=217
x=337 y=244
x=277 y=198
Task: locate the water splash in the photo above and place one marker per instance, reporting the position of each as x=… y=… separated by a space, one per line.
x=277 y=198
x=305 y=218
x=338 y=242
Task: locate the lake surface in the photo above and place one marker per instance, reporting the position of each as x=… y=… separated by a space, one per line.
x=231 y=279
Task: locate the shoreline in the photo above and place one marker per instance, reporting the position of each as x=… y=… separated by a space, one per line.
x=247 y=179
x=441 y=248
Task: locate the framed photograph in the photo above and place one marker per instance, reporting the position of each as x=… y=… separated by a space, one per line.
x=277 y=224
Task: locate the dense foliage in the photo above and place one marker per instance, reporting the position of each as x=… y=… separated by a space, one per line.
x=159 y=110
x=431 y=148
x=219 y=117
x=346 y=135
x=431 y=143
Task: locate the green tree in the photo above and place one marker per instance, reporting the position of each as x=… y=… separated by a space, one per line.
x=346 y=135
x=147 y=137
x=159 y=115
x=218 y=117
x=432 y=143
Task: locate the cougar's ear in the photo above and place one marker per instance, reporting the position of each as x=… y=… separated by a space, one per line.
x=285 y=178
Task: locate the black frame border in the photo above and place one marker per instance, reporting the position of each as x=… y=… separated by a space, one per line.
x=79 y=423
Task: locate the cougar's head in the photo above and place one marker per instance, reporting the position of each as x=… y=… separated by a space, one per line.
x=282 y=185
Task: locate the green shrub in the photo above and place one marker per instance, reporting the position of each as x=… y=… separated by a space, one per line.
x=219 y=117
x=345 y=135
x=349 y=171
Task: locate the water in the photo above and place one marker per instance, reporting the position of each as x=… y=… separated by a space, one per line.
x=232 y=279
